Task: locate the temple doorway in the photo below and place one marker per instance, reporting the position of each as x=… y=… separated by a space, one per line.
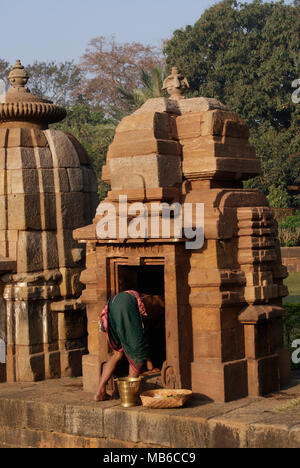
x=148 y=280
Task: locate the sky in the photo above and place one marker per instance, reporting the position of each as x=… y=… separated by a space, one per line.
x=61 y=29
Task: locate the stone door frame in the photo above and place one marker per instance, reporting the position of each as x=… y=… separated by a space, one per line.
x=160 y=254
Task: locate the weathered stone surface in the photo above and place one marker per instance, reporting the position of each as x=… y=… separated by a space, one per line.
x=43 y=156
x=23 y=211
x=179 y=107
x=22 y=181
x=91 y=201
x=160 y=125
x=82 y=154
x=118 y=422
x=156 y=433
x=291 y=258
x=63 y=151
x=58 y=413
x=42 y=199
x=89 y=180
x=75 y=179
x=144 y=147
x=55 y=181
x=31 y=244
x=69 y=327
x=146 y=171
x=72 y=214
x=195 y=151
x=70 y=285
x=91 y=371
x=20 y=158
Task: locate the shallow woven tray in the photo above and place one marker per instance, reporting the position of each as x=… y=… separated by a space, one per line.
x=181 y=398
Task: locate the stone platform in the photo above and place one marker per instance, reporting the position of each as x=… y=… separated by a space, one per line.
x=57 y=413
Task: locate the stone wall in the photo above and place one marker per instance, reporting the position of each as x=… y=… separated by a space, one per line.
x=58 y=414
x=291 y=258
x=223 y=301
x=47 y=189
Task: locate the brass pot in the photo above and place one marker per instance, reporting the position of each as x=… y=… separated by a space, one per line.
x=129 y=389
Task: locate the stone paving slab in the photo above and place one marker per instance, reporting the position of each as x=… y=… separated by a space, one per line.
x=58 y=413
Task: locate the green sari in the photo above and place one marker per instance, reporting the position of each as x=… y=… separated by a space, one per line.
x=124 y=328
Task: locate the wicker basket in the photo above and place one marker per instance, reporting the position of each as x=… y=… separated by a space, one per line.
x=165 y=398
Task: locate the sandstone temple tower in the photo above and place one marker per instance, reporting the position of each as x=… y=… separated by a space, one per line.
x=223 y=302
x=47 y=189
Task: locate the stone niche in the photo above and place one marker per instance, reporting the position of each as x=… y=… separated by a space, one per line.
x=223 y=302
x=47 y=189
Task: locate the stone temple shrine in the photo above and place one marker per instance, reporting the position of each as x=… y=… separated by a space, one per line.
x=47 y=189
x=222 y=333
x=221 y=330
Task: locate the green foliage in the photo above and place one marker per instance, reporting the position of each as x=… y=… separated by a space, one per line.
x=281 y=214
x=279 y=155
x=152 y=83
x=289 y=231
x=247 y=56
x=291 y=324
x=278 y=196
x=293 y=284
x=292 y=222
x=94 y=132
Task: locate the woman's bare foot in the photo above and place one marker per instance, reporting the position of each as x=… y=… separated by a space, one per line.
x=101 y=396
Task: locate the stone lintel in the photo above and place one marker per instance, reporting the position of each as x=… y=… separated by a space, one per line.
x=257 y=313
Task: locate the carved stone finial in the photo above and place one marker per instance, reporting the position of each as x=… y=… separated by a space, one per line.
x=175 y=84
x=20 y=105
x=18 y=76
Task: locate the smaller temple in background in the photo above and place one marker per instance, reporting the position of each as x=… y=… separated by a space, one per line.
x=47 y=189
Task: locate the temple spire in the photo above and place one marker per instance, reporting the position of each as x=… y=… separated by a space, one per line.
x=20 y=105
x=175 y=84
x=18 y=77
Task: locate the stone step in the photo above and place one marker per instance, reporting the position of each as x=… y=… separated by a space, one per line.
x=57 y=413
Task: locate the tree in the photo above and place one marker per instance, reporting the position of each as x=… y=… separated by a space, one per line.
x=4 y=69
x=108 y=65
x=152 y=83
x=55 y=81
x=278 y=196
x=247 y=56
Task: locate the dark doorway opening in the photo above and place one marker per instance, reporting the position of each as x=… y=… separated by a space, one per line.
x=148 y=280
x=144 y=279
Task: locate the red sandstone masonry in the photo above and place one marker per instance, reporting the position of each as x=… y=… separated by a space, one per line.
x=59 y=414
x=47 y=189
x=195 y=151
x=291 y=258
